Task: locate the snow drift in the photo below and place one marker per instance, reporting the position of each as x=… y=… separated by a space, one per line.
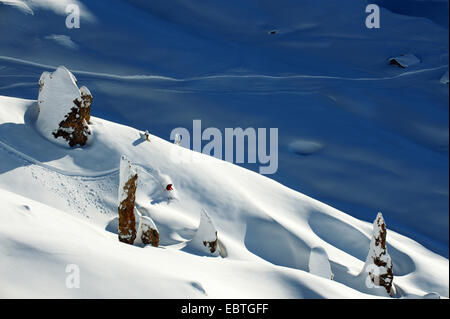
x=319 y=264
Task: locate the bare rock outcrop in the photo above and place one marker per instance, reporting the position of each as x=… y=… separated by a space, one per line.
x=378 y=263
x=127 y=196
x=64 y=109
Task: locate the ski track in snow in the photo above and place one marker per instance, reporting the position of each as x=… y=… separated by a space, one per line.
x=91 y=193
x=16 y=85
x=94 y=176
x=31 y=160
x=219 y=76
x=82 y=193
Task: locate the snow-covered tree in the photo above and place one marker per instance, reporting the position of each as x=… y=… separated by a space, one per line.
x=319 y=264
x=127 y=194
x=64 y=109
x=378 y=264
x=205 y=239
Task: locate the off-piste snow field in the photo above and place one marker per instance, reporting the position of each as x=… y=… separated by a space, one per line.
x=358 y=135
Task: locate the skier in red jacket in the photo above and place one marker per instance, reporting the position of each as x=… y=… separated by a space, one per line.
x=170 y=193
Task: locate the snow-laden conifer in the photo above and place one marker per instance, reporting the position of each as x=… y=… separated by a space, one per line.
x=378 y=264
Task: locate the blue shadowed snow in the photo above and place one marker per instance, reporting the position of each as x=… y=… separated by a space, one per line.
x=435 y=10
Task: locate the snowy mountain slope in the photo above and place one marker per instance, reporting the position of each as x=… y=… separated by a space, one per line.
x=322 y=78
x=114 y=270
x=59 y=208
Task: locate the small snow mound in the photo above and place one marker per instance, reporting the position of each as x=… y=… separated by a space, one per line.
x=319 y=263
x=62 y=40
x=303 y=147
x=432 y=295
x=444 y=78
x=404 y=60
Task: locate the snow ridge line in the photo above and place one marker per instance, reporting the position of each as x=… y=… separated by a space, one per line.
x=219 y=76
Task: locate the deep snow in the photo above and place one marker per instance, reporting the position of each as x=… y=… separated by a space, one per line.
x=323 y=77
x=59 y=208
x=355 y=133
